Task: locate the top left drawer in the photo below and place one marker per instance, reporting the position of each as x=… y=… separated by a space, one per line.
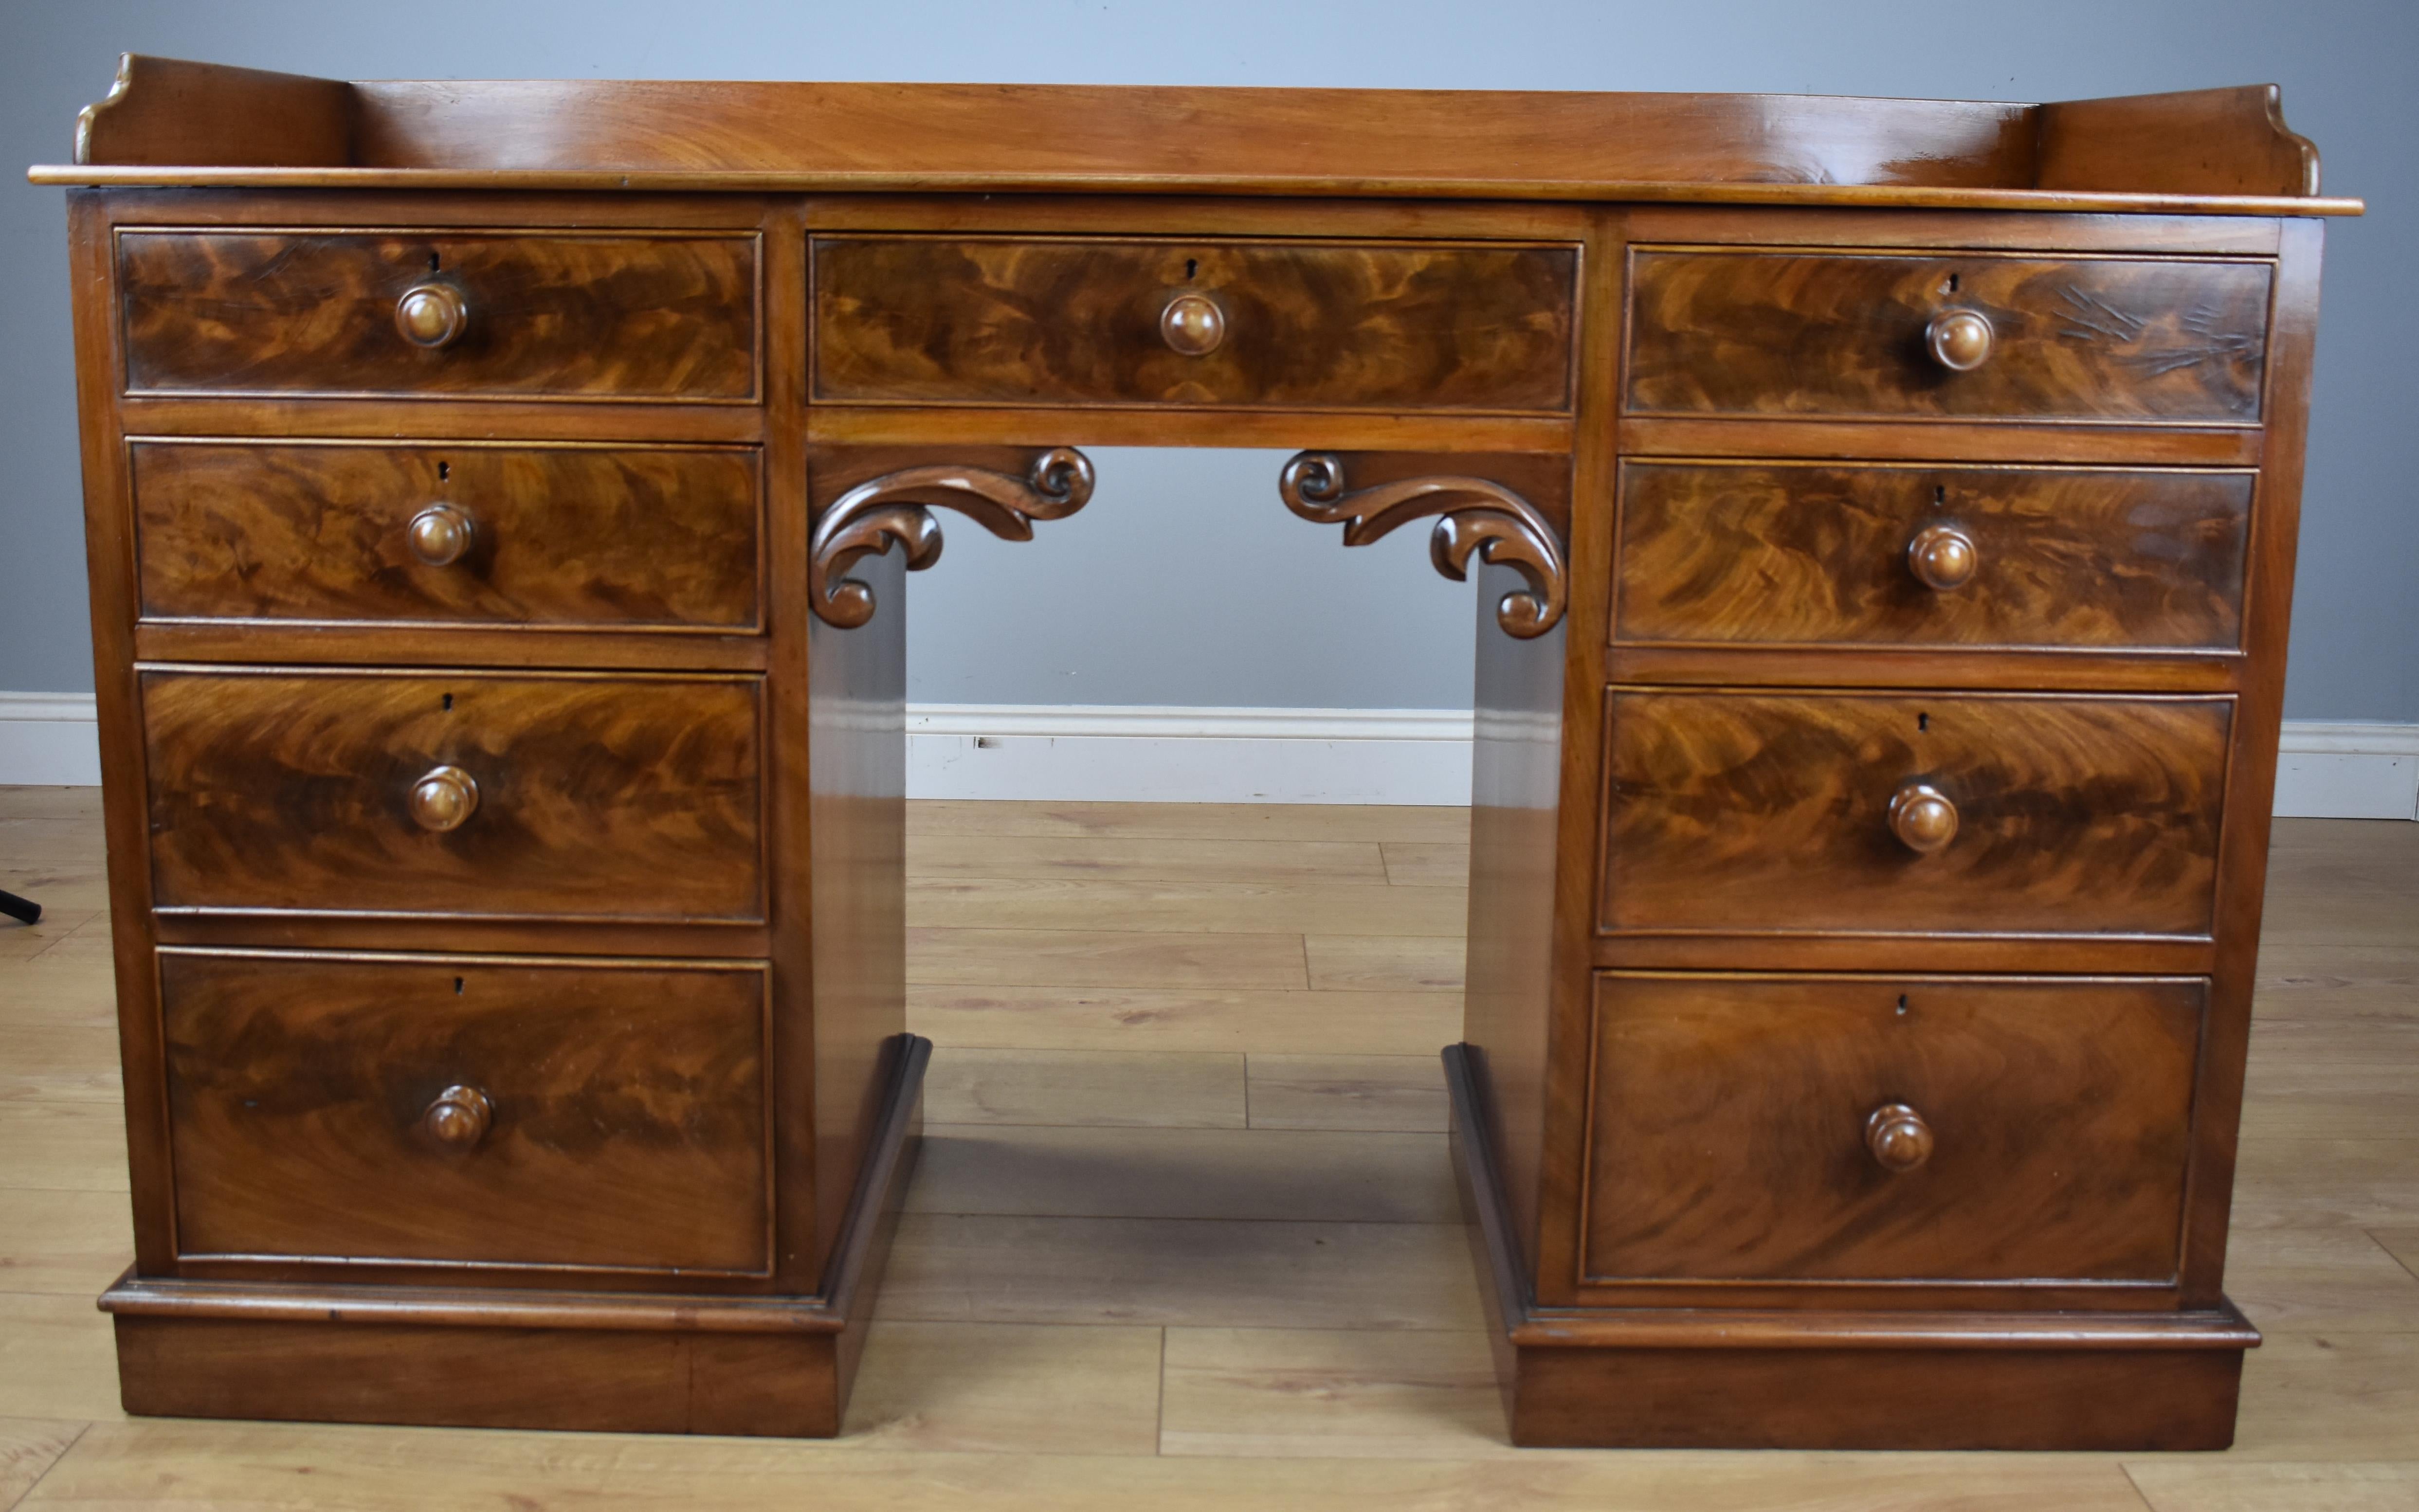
x=441 y=313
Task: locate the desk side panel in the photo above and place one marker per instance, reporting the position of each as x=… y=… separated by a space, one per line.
x=109 y=550
x=1515 y=784
x=857 y=712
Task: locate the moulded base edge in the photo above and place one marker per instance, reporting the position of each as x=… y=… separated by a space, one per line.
x=1678 y=1379
x=626 y=1363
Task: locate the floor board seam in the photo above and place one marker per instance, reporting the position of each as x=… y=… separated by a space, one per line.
x=26 y=1496
x=1159 y=1424
x=2135 y=1487
x=2413 y=1269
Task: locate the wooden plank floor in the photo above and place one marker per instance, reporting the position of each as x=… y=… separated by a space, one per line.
x=1184 y=1235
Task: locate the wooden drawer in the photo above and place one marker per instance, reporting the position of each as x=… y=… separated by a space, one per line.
x=1757 y=812
x=596 y=795
x=2075 y=338
x=1869 y=554
x=2057 y=1114
x=553 y=314
x=604 y=1113
x=1339 y=326
x=451 y=534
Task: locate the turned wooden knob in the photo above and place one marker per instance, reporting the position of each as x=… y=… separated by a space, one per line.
x=459 y=1116
x=1922 y=817
x=431 y=314
x=1898 y=1137
x=1941 y=557
x=442 y=534
x=444 y=798
x=1959 y=339
x=1193 y=324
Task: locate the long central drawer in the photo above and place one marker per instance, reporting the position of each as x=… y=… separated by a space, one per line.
x=461 y=794
x=984 y=320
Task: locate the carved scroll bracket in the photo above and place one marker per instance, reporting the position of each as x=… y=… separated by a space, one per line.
x=898 y=507
x=1475 y=516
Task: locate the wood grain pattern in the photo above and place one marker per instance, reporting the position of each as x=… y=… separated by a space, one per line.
x=374 y=417
x=614 y=1380
x=1094 y=131
x=1101 y=857
x=600 y=796
x=2335 y=1391
x=594 y=316
x=28 y=1449
x=1829 y=1378
x=1399 y=1094
x=1726 y=553
x=1025 y=957
x=2243 y=144
x=896 y=509
x=1475 y=517
x=1241 y=1175
x=1868 y=1399
x=1324 y=906
x=1299 y=1022
x=2082 y=823
x=2198 y=146
x=561 y=536
x=2060 y=1110
x=846 y=938
x=316 y=1350
x=1389 y=825
x=1516 y=814
x=1010 y=1388
x=1753 y=812
x=1340 y=325
x=1087 y=1088
x=1345 y=1393
x=1221 y=1272
x=168 y=110
x=629 y=1124
x=1824 y=334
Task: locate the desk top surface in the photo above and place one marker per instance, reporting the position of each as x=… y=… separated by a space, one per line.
x=2215 y=151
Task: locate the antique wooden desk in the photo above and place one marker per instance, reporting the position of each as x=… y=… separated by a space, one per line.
x=1886 y=512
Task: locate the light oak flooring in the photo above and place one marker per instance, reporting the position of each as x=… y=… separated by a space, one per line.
x=1184 y=1235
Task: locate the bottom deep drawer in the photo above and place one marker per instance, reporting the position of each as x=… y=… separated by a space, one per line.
x=1879 y=1128
x=476 y=1110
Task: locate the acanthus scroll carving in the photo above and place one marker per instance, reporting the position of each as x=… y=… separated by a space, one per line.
x=1475 y=516
x=898 y=507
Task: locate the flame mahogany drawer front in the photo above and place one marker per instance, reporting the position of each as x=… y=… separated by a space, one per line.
x=449 y=533
x=456 y=793
x=1961 y=1129
x=1432 y=326
x=1809 y=554
x=1757 y=812
x=477 y=1111
x=1964 y=336
x=452 y=313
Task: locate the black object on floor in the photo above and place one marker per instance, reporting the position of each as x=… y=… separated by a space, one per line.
x=17 y=907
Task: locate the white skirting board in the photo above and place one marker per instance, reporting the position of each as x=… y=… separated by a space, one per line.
x=49 y=739
x=1180 y=755
x=1128 y=753
x=2347 y=771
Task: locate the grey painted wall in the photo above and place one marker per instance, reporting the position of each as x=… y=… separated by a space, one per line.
x=1216 y=596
